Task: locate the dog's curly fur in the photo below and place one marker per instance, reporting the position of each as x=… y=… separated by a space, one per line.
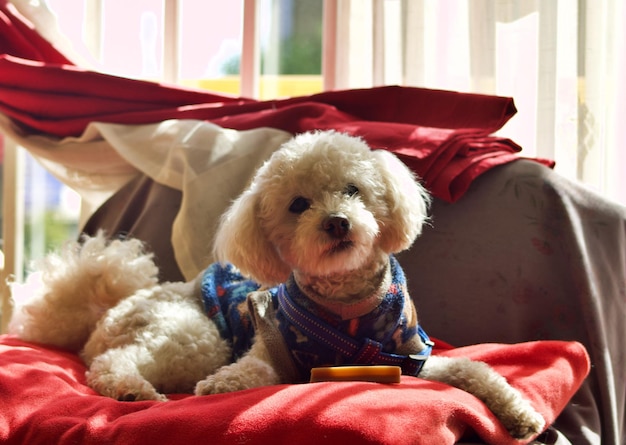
x=324 y=208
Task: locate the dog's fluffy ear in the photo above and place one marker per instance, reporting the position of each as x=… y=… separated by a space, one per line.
x=408 y=203
x=241 y=241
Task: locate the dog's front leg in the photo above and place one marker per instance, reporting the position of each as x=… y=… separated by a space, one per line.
x=479 y=379
x=250 y=371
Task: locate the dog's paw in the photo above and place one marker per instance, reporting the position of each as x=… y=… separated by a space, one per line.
x=225 y=381
x=135 y=396
x=245 y=374
x=524 y=423
x=124 y=388
x=217 y=384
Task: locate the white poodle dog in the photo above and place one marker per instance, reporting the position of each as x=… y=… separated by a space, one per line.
x=317 y=228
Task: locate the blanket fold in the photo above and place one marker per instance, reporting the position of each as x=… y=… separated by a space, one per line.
x=50 y=403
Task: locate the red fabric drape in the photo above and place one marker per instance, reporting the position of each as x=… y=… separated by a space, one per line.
x=52 y=404
x=443 y=136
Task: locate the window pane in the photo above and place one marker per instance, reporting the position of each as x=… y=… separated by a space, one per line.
x=291 y=47
x=292 y=31
x=51 y=212
x=132 y=38
x=70 y=16
x=210 y=44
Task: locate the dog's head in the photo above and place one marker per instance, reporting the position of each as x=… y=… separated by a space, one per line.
x=324 y=203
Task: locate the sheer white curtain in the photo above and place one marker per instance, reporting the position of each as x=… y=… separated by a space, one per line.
x=563 y=61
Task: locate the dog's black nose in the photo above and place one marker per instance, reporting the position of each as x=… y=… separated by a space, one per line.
x=336 y=226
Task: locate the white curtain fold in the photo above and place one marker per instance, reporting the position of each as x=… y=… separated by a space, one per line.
x=88 y=164
x=563 y=62
x=209 y=164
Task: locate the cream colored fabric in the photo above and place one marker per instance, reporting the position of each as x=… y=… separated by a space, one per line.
x=209 y=164
x=88 y=164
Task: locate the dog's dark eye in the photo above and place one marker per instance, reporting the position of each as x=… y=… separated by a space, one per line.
x=351 y=190
x=299 y=205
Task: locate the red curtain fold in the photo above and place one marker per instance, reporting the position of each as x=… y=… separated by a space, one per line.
x=19 y=38
x=62 y=99
x=443 y=136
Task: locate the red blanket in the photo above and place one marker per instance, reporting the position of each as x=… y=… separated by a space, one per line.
x=443 y=136
x=45 y=401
